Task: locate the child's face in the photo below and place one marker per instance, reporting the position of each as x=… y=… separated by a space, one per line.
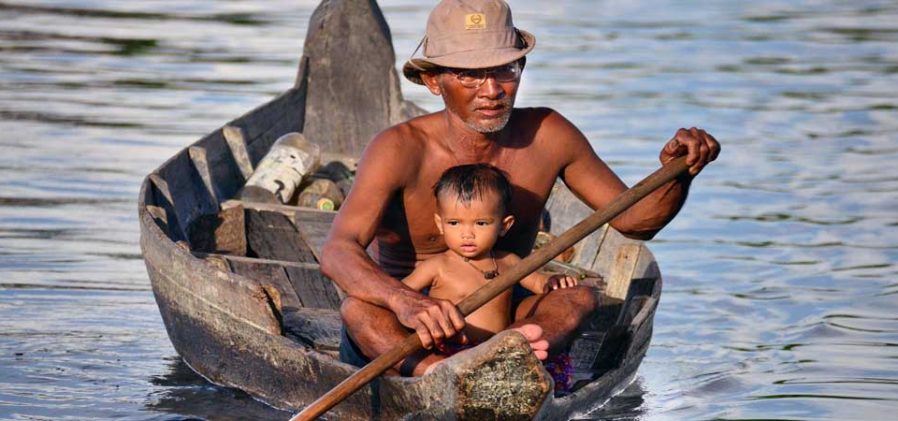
x=471 y=231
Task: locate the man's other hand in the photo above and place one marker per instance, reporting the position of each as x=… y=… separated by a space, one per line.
x=699 y=147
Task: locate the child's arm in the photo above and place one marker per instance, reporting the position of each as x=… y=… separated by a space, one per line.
x=540 y=283
x=423 y=275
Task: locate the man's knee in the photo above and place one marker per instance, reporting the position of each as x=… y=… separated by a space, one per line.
x=580 y=300
x=352 y=309
x=359 y=315
x=585 y=297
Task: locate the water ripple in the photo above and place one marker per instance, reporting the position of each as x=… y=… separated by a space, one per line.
x=779 y=272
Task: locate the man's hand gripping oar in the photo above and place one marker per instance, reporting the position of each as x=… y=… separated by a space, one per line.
x=536 y=260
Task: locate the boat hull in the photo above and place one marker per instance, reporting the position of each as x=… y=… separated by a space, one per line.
x=246 y=306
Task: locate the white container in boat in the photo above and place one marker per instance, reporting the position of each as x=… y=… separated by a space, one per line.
x=321 y=194
x=281 y=171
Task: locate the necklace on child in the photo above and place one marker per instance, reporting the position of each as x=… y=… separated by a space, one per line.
x=487 y=274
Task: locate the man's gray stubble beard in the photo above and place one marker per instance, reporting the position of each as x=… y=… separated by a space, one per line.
x=497 y=126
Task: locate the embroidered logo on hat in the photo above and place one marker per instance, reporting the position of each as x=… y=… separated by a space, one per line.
x=475 y=21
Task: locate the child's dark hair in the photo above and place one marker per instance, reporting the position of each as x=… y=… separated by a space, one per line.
x=473 y=180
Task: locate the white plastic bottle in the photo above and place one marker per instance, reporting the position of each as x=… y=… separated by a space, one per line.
x=281 y=171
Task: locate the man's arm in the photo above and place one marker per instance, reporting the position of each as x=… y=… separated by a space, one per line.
x=590 y=179
x=384 y=168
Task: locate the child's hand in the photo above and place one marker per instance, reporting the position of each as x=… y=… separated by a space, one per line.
x=560 y=281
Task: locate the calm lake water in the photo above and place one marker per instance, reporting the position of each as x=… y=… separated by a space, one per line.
x=780 y=273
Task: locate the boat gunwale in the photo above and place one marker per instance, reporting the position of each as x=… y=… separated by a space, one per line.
x=154 y=237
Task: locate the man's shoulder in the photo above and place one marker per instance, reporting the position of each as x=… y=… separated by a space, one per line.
x=540 y=121
x=408 y=133
x=540 y=116
x=544 y=128
x=406 y=137
x=535 y=111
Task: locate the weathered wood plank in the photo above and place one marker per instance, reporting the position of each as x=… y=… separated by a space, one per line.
x=646 y=311
x=306 y=278
x=274 y=279
x=237 y=144
x=161 y=196
x=345 y=115
x=617 y=259
x=284 y=263
x=231 y=347
x=271 y=235
x=566 y=210
x=302 y=280
x=201 y=164
x=312 y=223
x=224 y=232
x=224 y=172
x=319 y=328
x=647 y=268
x=621 y=272
x=176 y=275
x=316 y=290
x=185 y=189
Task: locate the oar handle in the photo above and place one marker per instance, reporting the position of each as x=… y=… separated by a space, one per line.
x=484 y=294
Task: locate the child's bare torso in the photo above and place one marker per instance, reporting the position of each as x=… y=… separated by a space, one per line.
x=456 y=279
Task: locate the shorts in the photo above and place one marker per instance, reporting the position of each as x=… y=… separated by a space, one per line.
x=350 y=352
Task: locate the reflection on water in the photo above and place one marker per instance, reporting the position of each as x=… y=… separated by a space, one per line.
x=780 y=273
x=186 y=394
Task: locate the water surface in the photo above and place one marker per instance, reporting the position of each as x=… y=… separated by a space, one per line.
x=780 y=273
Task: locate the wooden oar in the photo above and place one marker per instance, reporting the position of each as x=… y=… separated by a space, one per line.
x=484 y=294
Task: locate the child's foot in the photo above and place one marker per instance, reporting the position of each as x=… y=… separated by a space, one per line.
x=534 y=335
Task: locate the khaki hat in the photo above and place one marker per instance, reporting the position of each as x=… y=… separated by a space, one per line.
x=469 y=34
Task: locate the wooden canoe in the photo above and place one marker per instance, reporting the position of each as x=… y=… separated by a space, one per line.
x=246 y=306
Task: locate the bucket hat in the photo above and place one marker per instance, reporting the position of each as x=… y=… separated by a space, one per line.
x=469 y=34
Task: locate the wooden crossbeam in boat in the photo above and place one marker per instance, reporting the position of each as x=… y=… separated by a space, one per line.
x=313 y=289
x=272 y=235
x=236 y=141
x=201 y=164
x=313 y=224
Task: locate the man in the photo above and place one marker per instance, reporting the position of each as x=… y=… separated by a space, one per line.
x=473 y=58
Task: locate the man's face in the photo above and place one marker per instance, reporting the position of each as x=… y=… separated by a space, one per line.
x=481 y=99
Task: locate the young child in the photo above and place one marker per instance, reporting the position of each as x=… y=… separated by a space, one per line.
x=472 y=213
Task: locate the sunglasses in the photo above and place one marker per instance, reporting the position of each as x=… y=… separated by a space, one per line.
x=474 y=78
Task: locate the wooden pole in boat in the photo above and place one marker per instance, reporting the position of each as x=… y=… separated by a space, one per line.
x=506 y=280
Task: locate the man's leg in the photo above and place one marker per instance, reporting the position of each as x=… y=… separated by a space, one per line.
x=375 y=330
x=558 y=312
